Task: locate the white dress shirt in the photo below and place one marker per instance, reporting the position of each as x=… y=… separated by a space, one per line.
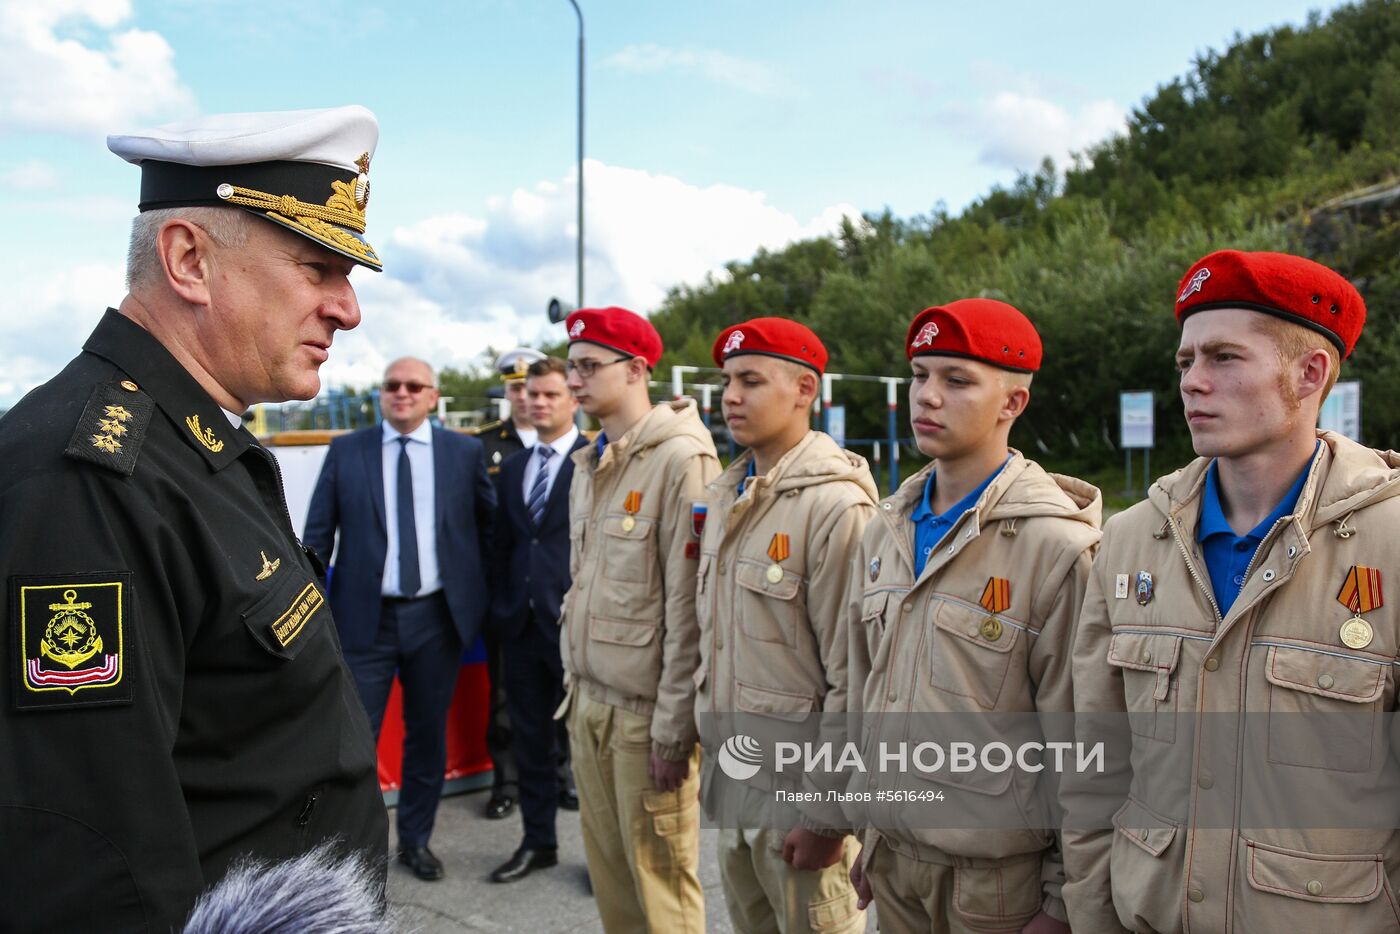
x=420 y=459
x=561 y=446
x=528 y=436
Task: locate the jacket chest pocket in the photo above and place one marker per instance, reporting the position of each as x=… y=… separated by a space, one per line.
x=767 y=608
x=970 y=652
x=283 y=620
x=1149 y=663
x=1323 y=709
x=629 y=549
x=1291 y=890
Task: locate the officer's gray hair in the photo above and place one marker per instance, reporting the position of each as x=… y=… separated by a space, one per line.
x=227 y=227
x=320 y=892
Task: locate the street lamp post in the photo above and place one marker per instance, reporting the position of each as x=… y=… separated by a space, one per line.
x=574 y=4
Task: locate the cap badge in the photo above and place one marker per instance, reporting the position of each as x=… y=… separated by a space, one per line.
x=576 y=330
x=778 y=549
x=735 y=340
x=362 y=181
x=631 y=505
x=926 y=335
x=1360 y=593
x=1194 y=286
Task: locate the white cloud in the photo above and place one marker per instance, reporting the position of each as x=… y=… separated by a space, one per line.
x=457 y=284
x=55 y=82
x=46 y=315
x=32 y=175
x=1017 y=129
x=719 y=67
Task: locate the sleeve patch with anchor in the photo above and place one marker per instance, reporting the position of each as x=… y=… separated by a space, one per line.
x=70 y=636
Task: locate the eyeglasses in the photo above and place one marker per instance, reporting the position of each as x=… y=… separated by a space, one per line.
x=414 y=388
x=586 y=368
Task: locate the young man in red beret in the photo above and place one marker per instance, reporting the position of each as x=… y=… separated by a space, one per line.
x=781 y=528
x=972 y=578
x=630 y=641
x=1249 y=581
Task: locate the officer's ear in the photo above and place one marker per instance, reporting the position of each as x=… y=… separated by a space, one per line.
x=184 y=248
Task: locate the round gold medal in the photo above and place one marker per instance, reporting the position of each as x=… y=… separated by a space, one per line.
x=775 y=573
x=991 y=629
x=628 y=523
x=1356 y=633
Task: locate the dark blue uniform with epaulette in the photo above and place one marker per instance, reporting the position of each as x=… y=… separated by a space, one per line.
x=500 y=440
x=174 y=694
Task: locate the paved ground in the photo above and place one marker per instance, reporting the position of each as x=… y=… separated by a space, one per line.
x=545 y=902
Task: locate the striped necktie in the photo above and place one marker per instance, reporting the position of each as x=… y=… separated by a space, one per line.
x=539 y=491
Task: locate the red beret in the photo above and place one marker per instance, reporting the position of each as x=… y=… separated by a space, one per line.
x=772 y=337
x=616 y=329
x=979 y=329
x=1279 y=284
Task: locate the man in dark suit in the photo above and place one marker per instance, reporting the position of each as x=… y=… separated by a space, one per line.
x=413 y=505
x=502 y=438
x=530 y=560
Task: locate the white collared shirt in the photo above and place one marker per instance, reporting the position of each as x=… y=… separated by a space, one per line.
x=420 y=459
x=561 y=446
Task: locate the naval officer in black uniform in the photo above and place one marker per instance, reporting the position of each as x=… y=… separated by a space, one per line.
x=502 y=438
x=173 y=690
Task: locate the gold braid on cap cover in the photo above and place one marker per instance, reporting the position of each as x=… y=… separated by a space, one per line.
x=340 y=208
x=344 y=208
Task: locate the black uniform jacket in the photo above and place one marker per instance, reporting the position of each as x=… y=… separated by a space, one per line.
x=501 y=440
x=173 y=689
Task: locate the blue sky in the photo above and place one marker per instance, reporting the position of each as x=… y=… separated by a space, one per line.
x=712 y=129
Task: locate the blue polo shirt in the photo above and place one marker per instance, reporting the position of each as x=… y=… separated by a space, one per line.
x=744 y=480
x=1228 y=555
x=929 y=529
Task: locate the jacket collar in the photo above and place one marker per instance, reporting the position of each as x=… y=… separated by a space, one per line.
x=1344 y=477
x=197 y=418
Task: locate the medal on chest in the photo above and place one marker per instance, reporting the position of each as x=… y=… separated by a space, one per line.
x=1360 y=593
x=996 y=598
x=631 y=505
x=778 y=549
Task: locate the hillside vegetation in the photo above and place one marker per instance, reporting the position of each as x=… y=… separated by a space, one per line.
x=1257 y=147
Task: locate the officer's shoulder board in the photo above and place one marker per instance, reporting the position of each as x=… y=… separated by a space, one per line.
x=112 y=426
x=483 y=429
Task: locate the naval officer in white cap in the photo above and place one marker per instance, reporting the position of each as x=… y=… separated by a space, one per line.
x=174 y=696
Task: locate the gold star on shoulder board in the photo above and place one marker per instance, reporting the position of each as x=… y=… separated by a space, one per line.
x=106 y=443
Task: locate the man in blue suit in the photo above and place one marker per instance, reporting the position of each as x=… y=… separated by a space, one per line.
x=413 y=505
x=530 y=563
